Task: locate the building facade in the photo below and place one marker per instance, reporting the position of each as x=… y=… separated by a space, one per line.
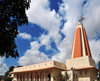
x=39 y=72
x=80 y=67
x=81 y=58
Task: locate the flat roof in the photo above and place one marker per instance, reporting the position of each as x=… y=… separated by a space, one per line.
x=40 y=66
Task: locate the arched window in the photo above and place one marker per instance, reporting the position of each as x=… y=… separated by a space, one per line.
x=48 y=77
x=85 y=72
x=81 y=73
x=31 y=76
x=23 y=76
x=38 y=77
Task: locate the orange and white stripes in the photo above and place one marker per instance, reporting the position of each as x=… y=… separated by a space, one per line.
x=80 y=45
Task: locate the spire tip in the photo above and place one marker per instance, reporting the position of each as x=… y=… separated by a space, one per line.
x=82 y=19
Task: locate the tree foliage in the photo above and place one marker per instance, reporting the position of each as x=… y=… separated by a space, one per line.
x=7 y=79
x=60 y=77
x=7 y=76
x=7 y=73
x=12 y=15
x=66 y=77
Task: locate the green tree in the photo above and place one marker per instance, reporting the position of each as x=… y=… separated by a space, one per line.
x=7 y=74
x=65 y=77
x=60 y=77
x=7 y=79
x=12 y=15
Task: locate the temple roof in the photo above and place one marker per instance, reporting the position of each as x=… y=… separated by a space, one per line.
x=80 y=45
x=40 y=66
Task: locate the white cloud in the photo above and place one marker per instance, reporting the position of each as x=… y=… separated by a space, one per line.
x=33 y=55
x=39 y=13
x=65 y=50
x=24 y=36
x=95 y=49
x=45 y=40
x=3 y=66
x=92 y=18
x=72 y=11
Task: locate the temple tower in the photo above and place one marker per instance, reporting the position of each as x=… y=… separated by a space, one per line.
x=80 y=45
x=81 y=59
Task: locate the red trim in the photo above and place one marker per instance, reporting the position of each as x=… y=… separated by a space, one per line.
x=86 y=43
x=77 y=44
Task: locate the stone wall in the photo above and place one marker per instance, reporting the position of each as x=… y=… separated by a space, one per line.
x=81 y=62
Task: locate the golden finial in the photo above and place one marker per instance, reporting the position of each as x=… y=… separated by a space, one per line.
x=82 y=19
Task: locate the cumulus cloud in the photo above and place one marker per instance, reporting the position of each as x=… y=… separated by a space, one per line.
x=3 y=66
x=95 y=49
x=33 y=55
x=24 y=36
x=92 y=18
x=45 y=40
x=39 y=13
x=70 y=11
x=65 y=50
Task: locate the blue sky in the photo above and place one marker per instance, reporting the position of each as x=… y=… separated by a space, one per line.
x=51 y=31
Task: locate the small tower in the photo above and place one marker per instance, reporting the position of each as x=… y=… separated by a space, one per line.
x=80 y=45
x=81 y=58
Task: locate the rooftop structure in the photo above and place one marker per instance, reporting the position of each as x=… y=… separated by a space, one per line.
x=40 y=66
x=80 y=44
x=81 y=55
x=81 y=66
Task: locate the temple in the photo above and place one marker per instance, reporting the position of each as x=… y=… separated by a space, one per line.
x=80 y=45
x=80 y=67
x=81 y=62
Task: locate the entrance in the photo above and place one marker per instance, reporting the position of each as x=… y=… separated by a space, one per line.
x=48 y=77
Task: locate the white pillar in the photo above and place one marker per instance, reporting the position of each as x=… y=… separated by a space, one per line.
x=39 y=76
x=15 y=77
x=34 y=76
x=72 y=70
x=44 y=77
x=25 y=77
x=52 y=74
x=29 y=76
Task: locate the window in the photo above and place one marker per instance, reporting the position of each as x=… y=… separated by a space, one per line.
x=48 y=77
x=75 y=75
x=80 y=72
x=85 y=72
x=31 y=76
x=23 y=76
x=38 y=77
